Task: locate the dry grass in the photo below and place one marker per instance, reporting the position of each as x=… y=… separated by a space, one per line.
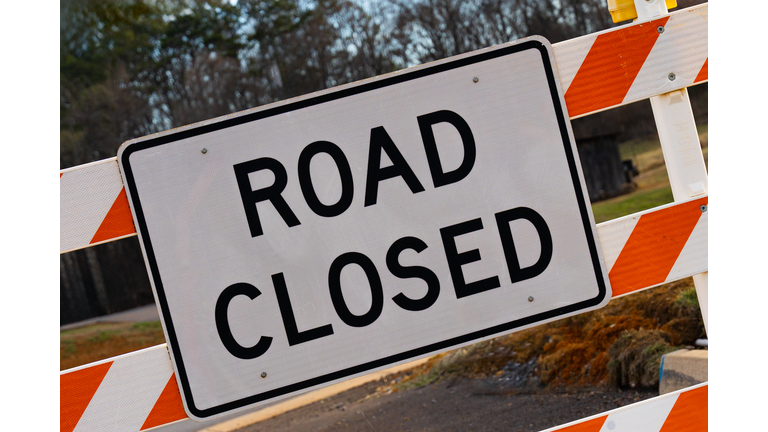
x=618 y=345
x=100 y=341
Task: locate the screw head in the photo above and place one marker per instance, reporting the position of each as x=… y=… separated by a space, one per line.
x=204 y=151
x=263 y=374
x=660 y=29
x=475 y=79
x=703 y=208
x=671 y=76
x=530 y=298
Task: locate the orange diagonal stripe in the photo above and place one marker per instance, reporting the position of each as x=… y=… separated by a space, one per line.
x=611 y=67
x=689 y=412
x=653 y=247
x=703 y=73
x=168 y=407
x=118 y=222
x=76 y=391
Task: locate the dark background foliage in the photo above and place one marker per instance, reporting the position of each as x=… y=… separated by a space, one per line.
x=133 y=68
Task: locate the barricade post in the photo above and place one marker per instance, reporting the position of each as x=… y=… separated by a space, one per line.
x=107 y=395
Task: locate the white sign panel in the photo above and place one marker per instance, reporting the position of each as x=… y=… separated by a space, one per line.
x=307 y=242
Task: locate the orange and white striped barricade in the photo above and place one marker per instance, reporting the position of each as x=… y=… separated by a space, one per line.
x=138 y=391
x=132 y=392
x=669 y=240
x=680 y=411
x=679 y=140
x=597 y=72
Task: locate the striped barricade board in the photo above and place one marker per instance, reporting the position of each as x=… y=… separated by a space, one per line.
x=680 y=411
x=91 y=394
x=482 y=203
x=596 y=72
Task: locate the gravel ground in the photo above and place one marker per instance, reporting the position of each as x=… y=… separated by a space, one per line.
x=458 y=404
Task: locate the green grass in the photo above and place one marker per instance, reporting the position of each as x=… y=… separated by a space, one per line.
x=688 y=298
x=102 y=336
x=652 y=182
x=103 y=340
x=68 y=347
x=148 y=326
x=632 y=203
x=632 y=148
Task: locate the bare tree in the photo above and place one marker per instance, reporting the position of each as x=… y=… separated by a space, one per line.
x=434 y=29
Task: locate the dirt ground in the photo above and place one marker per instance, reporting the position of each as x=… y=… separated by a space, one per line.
x=456 y=404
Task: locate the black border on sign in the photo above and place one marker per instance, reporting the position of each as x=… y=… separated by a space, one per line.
x=326 y=97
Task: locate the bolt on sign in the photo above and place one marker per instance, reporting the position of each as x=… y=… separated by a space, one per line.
x=310 y=241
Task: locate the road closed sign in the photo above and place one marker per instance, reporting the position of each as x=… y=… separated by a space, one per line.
x=310 y=241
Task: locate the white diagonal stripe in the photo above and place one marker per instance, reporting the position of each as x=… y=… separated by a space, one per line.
x=86 y=193
x=613 y=236
x=682 y=49
x=645 y=416
x=648 y=416
x=693 y=258
x=569 y=56
x=129 y=392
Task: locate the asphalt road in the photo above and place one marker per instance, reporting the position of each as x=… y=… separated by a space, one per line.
x=193 y=426
x=463 y=404
x=453 y=405
x=149 y=313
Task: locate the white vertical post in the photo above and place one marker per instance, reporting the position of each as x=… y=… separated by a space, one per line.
x=679 y=143
x=684 y=159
